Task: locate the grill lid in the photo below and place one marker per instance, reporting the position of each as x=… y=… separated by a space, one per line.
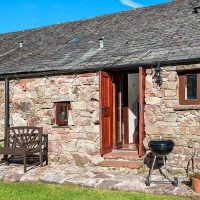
x=161 y=147
x=160 y=143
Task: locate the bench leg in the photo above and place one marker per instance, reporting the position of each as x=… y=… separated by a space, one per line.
x=24 y=163
x=46 y=158
x=41 y=158
x=5 y=158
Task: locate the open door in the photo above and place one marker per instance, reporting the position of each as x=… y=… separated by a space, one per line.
x=141 y=109
x=105 y=92
x=118 y=123
x=125 y=109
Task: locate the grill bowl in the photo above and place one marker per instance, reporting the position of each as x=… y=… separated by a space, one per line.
x=161 y=147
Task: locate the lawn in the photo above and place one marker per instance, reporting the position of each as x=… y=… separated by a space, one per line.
x=33 y=191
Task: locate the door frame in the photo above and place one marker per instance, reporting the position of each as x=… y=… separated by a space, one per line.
x=112 y=120
x=142 y=76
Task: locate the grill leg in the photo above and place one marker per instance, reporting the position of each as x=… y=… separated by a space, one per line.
x=148 y=180
x=165 y=166
x=175 y=182
x=170 y=165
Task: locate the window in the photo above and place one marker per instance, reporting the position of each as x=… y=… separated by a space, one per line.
x=189 y=88
x=62 y=113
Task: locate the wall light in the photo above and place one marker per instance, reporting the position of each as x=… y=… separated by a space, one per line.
x=158 y=75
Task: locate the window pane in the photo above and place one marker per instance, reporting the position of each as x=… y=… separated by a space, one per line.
x=191 y=86
x=63 y=113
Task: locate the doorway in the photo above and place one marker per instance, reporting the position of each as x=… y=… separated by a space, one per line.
x=125 y=111
x=121 y=111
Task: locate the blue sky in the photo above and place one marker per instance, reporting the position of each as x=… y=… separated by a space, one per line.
x=25 y=14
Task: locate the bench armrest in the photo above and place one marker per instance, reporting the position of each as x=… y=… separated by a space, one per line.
x=2 y=140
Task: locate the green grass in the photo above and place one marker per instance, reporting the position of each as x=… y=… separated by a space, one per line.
x=38 y=191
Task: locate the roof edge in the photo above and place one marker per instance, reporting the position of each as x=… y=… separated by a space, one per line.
x=106 y=68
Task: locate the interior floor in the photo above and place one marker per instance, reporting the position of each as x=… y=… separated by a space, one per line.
x=128 y=147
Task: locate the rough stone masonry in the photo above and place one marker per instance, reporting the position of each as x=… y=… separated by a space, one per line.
x=163 y=115
x=32 y=102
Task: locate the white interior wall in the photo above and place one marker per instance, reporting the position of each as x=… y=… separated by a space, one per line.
x=133 y=96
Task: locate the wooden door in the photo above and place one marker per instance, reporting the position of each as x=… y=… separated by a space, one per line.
x=105 y=91
x=125 y=109
x=118 y=124
x=141 y=109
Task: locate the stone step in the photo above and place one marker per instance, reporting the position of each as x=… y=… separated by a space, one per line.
x=122 y=155
x=127 y=164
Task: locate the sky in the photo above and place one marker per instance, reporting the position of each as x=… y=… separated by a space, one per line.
x=18 y=15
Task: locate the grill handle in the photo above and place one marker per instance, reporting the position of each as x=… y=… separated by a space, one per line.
x=161 y=137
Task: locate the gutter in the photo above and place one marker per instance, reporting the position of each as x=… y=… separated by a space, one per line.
x=104 y=67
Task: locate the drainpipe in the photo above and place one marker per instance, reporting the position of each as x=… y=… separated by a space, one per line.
x=6 y=102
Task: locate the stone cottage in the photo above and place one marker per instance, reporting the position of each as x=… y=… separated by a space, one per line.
x=91 y=85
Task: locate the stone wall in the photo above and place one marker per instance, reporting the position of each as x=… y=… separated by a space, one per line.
x=163 y=115
x=32 y=102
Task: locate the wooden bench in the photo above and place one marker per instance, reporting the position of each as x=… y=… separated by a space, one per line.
x=23 y=141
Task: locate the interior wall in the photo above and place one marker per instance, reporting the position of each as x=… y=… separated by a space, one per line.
x=133 y=99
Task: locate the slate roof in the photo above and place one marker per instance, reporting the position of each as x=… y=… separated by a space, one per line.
x=163 y=32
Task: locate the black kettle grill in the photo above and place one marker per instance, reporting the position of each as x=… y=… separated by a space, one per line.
x=161 y=148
